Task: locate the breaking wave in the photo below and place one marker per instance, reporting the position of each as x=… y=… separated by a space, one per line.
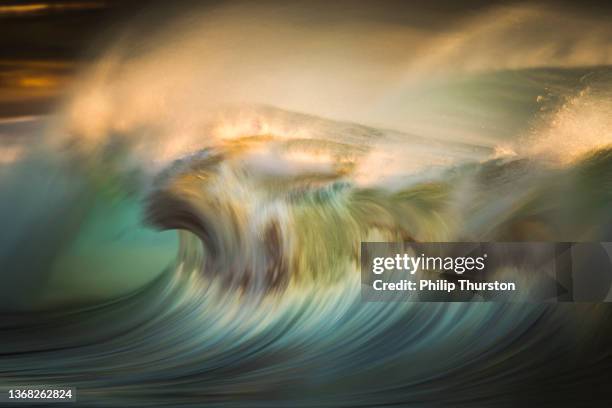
x=172 y=251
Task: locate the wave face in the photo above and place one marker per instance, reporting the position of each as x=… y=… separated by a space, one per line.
x=261 y=305
x=209 y=254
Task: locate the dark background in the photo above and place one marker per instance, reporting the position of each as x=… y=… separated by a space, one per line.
x=44 y=43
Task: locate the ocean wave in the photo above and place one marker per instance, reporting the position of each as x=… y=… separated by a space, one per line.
x=166 y=244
